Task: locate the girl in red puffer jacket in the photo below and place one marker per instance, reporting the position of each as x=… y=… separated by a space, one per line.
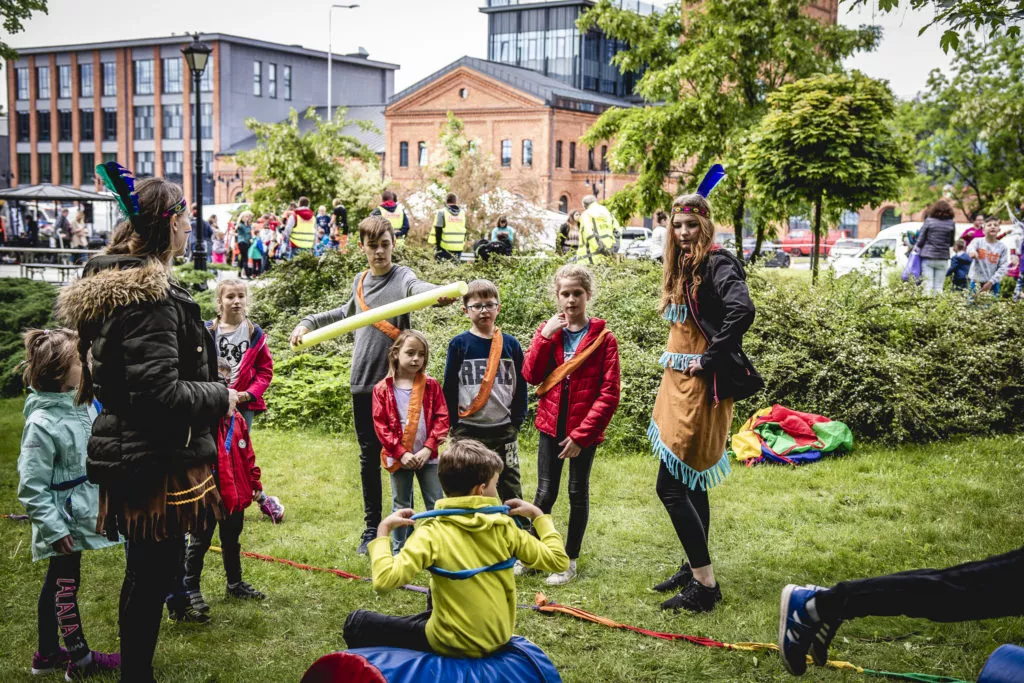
x=575 y=360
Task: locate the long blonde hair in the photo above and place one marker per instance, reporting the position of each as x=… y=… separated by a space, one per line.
x=396 y=348
x=684 y=270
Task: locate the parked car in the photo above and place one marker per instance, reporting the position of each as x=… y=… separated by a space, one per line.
x=635 y=243
x=886 y=251
x=772 y=255
x=800 y=242
x=847 y=247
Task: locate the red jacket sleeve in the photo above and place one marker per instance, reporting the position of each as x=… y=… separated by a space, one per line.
x=437 y=431
x=383 y=404
x=264 y=371
x=537 y=358
x=603 y=408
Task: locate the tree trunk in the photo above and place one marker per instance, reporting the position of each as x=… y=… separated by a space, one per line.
x=758 y=241
x=737 y=218
x=817 y=240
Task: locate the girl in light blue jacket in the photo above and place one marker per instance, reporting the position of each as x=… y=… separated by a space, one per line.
x=60 y=501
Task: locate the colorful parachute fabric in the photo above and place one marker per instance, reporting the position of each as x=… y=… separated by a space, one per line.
x=781 y=435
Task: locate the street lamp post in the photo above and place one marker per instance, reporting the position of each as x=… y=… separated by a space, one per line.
x=330 y=35
x=197 y=55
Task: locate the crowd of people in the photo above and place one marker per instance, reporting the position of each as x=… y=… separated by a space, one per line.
x=139 y=413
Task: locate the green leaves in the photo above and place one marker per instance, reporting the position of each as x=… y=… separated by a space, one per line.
x=14 y=14
x=995 y=17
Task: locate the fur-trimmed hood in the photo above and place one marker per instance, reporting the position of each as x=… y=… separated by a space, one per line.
x=111 y=281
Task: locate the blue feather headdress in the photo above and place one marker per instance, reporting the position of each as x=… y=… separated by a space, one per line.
x=714 y=176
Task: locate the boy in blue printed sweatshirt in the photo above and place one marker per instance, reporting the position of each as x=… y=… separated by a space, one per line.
x=484 y=386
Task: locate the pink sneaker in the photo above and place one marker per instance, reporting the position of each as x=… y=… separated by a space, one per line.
x=272 y=507
x=44 y=665
x=100 y=663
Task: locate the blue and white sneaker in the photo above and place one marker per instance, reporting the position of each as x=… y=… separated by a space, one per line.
x=797 y=628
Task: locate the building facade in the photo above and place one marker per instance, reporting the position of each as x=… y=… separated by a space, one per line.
x=74 y=106
x=529 y=123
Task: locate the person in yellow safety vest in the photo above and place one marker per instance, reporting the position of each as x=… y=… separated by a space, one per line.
x=304 y=233
x=597 y=233
x=449 y=233
x=394 y=213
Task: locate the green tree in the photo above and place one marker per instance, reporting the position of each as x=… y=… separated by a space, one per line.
x=288 y=162
x=969 y=128
x=15 y=13
x=828 y=141
x=707 y=69
x=998 y=17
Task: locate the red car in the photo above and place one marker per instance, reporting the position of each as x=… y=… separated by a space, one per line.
x=800 y=242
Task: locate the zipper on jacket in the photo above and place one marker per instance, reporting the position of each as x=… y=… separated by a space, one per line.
x=714 y=375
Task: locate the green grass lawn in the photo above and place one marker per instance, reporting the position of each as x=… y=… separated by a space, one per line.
x=875 y=511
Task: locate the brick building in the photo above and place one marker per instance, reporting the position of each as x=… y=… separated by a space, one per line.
x=74 y=106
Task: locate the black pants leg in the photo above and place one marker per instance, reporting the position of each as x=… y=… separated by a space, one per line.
x=690 y=513
x=369 y=458
x=152 y=570
x=231 y=548
x=195 y=556
x=371 y=629
x=243 y=259
x=549 y=474
x=984 y=589
x=58 y=607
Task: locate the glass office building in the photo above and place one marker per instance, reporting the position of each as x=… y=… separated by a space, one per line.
x=542 y=36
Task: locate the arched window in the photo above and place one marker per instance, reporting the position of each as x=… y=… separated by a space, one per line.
x=890 y=218
x=563 y=204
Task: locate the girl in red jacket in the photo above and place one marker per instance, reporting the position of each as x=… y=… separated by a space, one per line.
x=575 y=360
x=410 y=417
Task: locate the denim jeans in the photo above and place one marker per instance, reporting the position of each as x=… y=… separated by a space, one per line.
x=402 y=496
x=933 y=275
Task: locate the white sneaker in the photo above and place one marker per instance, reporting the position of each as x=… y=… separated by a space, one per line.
x=562 y=577
x=520 y=569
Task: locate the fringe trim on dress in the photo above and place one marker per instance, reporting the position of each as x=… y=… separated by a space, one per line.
x=677 y=361
x=680 y=470
x=675 y=313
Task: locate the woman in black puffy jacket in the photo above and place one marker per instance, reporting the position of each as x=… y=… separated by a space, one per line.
x=154 y=371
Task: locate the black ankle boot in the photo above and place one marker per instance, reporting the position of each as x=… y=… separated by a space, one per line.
x=696 y=597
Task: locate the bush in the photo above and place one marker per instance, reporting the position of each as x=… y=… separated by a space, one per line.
x=23 y=304
x=894 y=365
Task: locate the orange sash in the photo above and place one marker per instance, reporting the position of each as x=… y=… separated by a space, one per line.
x=382 y=325
x=493 y=361
x=563 y=370
x=412 y=422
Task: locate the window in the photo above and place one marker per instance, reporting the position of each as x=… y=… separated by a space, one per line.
x=109 y=156
x=86 y=125
x=174 y=166
x=109 y=79
x=257 y=78
x=21 y=80
x=25 y=168
x=272 y=81
x=206 y=124
x=403 y=154
x=43 y=82
x=423 y=156
x=604 y=157
x=88 y=166
x=527 y=152
x=109 y=124
x=558 y=154
x=85 y=80
x=143 y=76
x=64 y=125
x=43 y=126
x=172 y=123
x=206 y=80
x=572 y=155
x=563 y=204
x=24 y=126
x=64 y=81
x=506 y=153
x=590 y=159
x=286 y=75
x=67 y=168
x=463 y=93
x=172 y=75
x=144 y=162
x=144 y=122
x=45 y=162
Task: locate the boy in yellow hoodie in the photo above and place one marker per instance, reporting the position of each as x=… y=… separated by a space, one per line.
x=469 y=550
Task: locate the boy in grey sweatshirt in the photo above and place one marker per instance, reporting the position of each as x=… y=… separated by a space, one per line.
x=383 y=283
x=990 y=260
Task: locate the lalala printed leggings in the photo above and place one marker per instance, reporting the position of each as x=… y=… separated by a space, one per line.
x=58 y=608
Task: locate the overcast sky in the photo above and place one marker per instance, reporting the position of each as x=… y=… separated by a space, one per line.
x=420 y=35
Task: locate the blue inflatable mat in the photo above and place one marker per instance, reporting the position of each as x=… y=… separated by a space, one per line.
x=1004 y=665
x=519 y=661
